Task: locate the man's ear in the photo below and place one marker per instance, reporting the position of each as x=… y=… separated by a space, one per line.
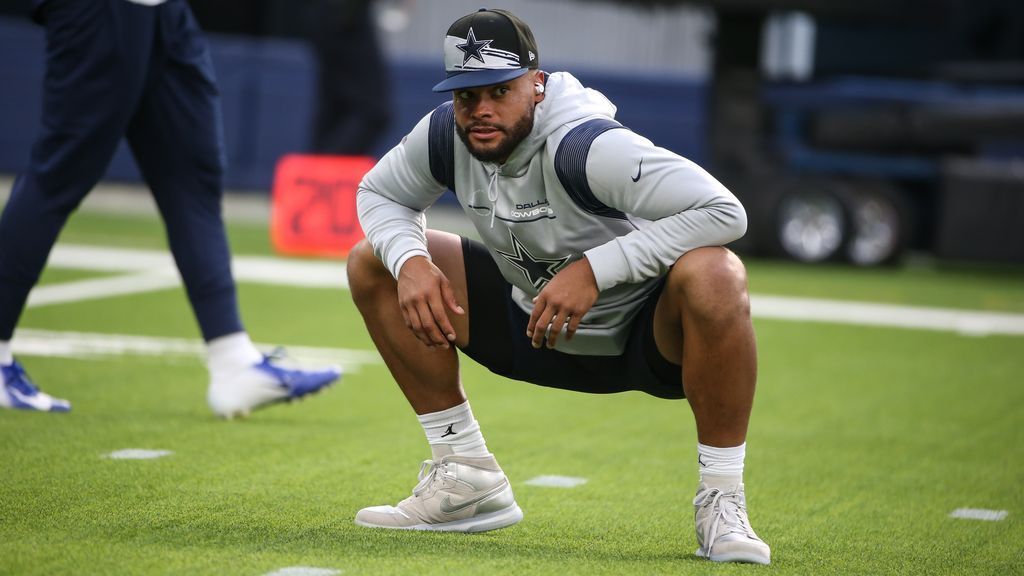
x=539 y=80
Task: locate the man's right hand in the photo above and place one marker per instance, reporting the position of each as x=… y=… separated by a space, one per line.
x=425 y=296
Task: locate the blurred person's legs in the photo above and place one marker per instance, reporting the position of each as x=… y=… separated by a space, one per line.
x=176 y=137
x=115 y=67
x=96 y=59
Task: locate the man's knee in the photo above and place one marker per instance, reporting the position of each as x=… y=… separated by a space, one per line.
x=365 y=271
x=711 y=283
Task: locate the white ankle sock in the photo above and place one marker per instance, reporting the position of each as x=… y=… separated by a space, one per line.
x=454 y=429
x=6 y=356
x=721 y=467
x=227 y=354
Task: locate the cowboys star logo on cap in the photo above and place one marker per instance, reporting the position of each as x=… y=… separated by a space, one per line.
x=487 y=47
x=472 y=48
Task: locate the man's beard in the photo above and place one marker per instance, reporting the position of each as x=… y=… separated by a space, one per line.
x=513 y=136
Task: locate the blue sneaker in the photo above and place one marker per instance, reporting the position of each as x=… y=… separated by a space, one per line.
x=262 y=384
x=20 y=393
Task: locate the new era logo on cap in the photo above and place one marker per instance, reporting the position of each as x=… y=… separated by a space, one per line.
x=487 y=47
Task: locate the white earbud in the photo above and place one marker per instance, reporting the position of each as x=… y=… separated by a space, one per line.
x=538 y=88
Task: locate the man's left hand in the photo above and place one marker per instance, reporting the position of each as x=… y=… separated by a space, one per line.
x=562 y=303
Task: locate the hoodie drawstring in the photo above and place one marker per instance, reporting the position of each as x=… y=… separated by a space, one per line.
x=492 y=194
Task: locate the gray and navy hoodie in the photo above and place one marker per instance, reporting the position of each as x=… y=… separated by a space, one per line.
x=579 y=185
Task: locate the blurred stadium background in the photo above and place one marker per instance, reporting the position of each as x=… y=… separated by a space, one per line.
x=855 y=131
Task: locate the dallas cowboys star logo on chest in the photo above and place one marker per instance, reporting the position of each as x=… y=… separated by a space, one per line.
x=473 y=48
x=538 y=271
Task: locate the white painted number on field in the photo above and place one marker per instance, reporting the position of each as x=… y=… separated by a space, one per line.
x=979 y=514
x=138 y=454
x=557 y=481
x=303 y=571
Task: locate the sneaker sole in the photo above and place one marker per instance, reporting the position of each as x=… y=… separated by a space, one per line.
x=242 y=413
x=481 y=523
x=18 y=405
x=735 y=557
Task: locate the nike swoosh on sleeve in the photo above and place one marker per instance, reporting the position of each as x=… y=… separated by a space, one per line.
x=639 y=170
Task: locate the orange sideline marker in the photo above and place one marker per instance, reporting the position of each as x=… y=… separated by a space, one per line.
x=313 y=206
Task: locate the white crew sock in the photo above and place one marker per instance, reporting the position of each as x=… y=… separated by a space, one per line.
x=231 y=353
x=6 y=356
x=721 y=467
x=454 y=430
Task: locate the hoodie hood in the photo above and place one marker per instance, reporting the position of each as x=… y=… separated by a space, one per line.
x=565 y=101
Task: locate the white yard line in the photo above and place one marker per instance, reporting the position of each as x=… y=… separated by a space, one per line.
x=150 y=270
x=966 y=322
x=153 y=270
x=105 y=259
x=83 y=345
x=282 y=272
x=95 y=288
x=259 y=269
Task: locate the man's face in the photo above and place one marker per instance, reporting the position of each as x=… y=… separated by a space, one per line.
x=493 y=120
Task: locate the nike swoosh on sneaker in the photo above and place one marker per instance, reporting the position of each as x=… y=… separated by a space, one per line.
x=24 y=401
x=448 y=508
x=19 y=399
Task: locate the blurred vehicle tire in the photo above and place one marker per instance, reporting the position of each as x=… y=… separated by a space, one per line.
x=810 y=221
x=879 y=218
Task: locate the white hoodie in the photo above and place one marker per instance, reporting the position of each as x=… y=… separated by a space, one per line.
x=642 y=207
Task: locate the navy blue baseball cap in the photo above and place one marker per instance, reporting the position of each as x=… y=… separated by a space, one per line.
x=487 y=47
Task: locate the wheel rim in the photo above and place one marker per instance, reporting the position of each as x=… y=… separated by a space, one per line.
x=811 y=226
x=876 y=225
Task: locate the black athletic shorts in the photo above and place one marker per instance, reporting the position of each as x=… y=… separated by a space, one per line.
x=497 y=340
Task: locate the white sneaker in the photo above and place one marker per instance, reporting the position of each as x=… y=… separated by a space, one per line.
x=19 y=393
x=455 y=494
x=239 y=393
x=723 y=529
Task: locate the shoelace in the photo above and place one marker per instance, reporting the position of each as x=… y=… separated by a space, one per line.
x=285 y=375
x=428 y=476
x=728 y=515
x=20 y=382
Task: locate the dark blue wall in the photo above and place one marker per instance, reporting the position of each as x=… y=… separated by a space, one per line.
x=267 y=88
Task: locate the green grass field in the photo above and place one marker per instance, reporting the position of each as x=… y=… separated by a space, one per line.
x=863 y=441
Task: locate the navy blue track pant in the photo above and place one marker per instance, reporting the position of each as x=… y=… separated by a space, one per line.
x=116 y=68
